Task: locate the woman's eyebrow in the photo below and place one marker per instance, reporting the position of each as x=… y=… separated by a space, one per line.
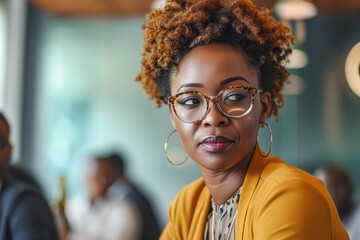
x=190 y=85
x=221 y=83
x=233 y=79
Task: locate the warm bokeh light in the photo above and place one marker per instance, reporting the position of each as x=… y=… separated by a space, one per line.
x=295 y=87
x=298 y=59
x=295 y=9
x=352 y=69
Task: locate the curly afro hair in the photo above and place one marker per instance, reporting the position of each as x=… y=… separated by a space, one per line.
x=182 y=25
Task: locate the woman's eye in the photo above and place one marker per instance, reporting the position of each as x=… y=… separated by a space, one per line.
x=235 y=97
x=190 y=102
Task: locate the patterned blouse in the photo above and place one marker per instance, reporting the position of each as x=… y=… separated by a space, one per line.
x=225 y=214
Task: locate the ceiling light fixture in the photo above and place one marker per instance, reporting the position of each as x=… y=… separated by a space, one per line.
x=156 y=4
x=352 y=69
x=298 y=11
x=298 y=59
x=295 y=9
x=296 y=86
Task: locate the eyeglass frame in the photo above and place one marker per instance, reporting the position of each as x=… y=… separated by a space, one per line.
x=253 y=91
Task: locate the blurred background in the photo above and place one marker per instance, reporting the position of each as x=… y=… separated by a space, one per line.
x=66 y=85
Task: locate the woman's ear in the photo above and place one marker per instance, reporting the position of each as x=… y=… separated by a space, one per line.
x=265 y=100
x=171 y=112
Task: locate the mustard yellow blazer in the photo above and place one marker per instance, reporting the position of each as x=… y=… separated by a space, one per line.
x=277 y=201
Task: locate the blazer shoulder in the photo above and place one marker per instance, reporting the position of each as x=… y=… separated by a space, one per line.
x=191 y=193
x=187 y=211
x=277 y=170
x=295 y=201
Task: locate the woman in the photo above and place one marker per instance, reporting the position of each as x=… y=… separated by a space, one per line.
x=219 y=66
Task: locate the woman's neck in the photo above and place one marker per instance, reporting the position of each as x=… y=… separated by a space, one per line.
x=224 y=184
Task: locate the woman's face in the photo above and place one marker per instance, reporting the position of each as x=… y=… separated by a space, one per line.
x=218 y=142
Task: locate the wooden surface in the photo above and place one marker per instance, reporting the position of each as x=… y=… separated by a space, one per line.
x=338 y=6
x=140 y=7
x=94 y=7
x=323 y=6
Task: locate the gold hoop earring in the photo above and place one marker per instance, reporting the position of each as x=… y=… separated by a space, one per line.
x=166 y=143
x=271 y=137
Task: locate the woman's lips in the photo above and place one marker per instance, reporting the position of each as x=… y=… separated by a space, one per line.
x=216 y=144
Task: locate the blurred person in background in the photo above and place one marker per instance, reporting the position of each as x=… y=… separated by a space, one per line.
x=338 y=183
x=115 y=210
x=24 y=213
x=21 y=175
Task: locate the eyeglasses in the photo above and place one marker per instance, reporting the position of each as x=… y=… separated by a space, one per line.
x=233 y=102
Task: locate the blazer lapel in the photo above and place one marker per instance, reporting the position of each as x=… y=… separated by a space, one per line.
x=200 y=215
x=251 y=181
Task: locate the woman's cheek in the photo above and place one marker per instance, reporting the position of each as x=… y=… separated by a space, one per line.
x=186 y=134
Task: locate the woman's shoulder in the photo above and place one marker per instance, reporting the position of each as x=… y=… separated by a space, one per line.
x=288 y=196
x=277 y=171
x=281 y=183
x=193 y=192
x=193 y=195
x=283 y=180
x=188 y=211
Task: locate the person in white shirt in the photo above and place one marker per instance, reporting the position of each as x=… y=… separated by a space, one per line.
x=106 y=214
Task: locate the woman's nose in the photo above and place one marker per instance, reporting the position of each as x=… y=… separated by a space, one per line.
x=214 y=116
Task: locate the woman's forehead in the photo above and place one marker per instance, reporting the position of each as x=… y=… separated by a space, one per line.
x=213 y=64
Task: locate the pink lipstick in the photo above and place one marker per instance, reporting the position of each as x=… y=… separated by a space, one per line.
x=215 y=144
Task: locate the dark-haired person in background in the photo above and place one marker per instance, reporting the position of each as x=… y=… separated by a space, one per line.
x=20 y=174
x=122 y=187
x=24 y=214
x=116 y=210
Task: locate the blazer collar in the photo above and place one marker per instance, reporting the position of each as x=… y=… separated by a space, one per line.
x=252 y=178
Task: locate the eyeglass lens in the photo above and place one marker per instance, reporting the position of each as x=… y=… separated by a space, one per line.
x=234 y=102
